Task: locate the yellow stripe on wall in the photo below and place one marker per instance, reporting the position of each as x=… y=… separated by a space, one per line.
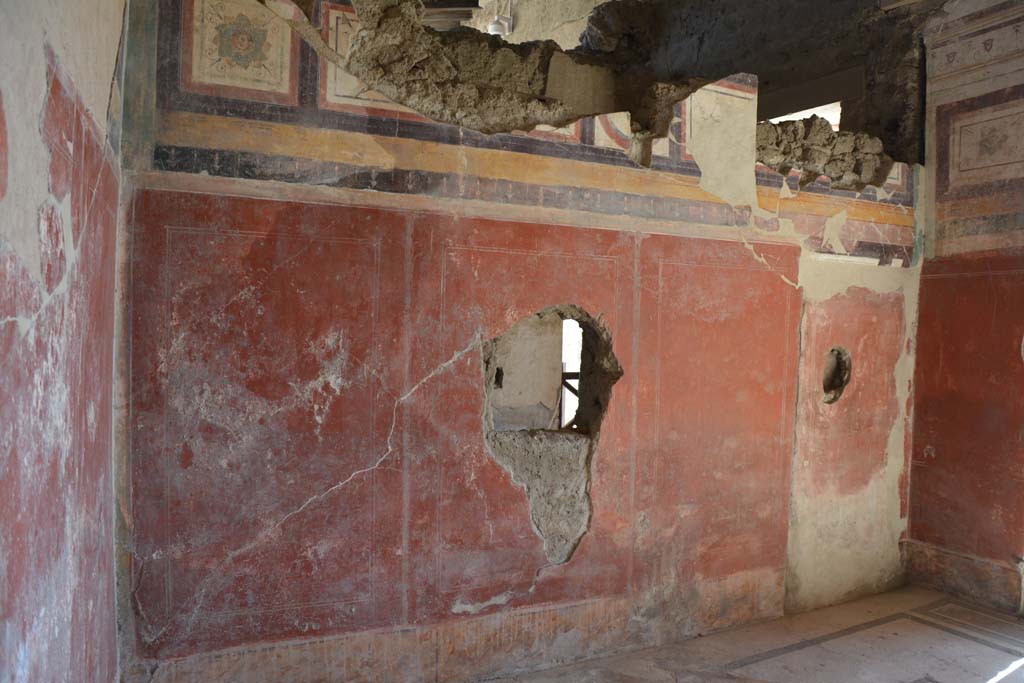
x=186 y=129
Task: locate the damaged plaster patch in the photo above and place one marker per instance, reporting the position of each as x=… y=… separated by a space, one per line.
x=832 y=236
x=721 y=140
x=478 y=81
x=552 y=465
x=846 y=544
x=461 y=607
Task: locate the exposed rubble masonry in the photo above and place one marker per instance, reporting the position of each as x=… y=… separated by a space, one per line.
x=852 y=160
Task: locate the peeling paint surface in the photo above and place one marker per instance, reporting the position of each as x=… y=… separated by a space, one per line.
x=848 y=477
x=56 y=376
x=83 y=37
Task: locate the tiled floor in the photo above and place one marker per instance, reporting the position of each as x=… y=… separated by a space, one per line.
x=908 y=636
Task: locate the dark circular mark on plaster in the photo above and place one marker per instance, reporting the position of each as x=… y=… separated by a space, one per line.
x=838 y=367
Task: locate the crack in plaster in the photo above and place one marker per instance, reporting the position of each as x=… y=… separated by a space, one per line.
x=200 y=594
x=763 y=261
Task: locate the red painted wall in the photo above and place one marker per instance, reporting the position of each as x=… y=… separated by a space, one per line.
x=870 y=327
x=968 y=465
x=56 y=370
x=308 y=455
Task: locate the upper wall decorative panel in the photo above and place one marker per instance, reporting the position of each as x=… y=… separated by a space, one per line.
x=987 y=144
x=976 y=94
x=231 y=49
x=240 y=96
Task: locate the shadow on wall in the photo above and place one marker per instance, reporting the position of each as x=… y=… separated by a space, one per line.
x=524 y=385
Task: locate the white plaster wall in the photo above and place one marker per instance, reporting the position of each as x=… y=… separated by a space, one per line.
x=85 y=36
x=721 y=138
x=561 y=21
x=530 y=356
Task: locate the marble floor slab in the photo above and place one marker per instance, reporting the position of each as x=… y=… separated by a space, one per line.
x=911 y=635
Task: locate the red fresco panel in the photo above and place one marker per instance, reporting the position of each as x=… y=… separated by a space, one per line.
x=843 y=445
x=262 y=406
x=282 y=350
x=717 y=363
x=472 y=540
x=968 y=457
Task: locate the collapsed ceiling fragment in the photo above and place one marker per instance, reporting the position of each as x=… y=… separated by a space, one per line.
x=644 y=56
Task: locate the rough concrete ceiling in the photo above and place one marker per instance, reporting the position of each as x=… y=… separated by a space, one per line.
x=644 y=56
x=874 y=55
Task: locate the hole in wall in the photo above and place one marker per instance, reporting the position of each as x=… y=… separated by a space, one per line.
x=551 y=371
x=572 y=353
x=548 y=384
x=836 y=377
x=831 y=112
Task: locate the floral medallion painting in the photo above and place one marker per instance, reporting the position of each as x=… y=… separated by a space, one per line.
x=238 y=49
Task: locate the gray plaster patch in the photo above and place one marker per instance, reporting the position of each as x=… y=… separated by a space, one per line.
x=554 y=468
